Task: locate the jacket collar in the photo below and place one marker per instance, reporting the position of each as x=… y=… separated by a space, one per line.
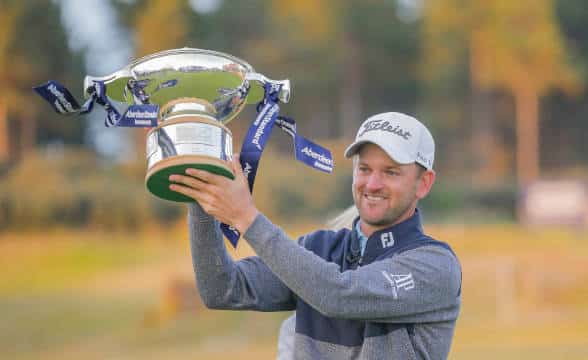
x=392 y=238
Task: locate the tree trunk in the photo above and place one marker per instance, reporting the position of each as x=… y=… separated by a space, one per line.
x=28 y=135
x=350 y=100
x=482 y=141
x=527 y=112
x=139 y=139
x=4 y=136
x=483 y=136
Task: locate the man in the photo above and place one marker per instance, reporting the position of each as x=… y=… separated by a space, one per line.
x=382 y=290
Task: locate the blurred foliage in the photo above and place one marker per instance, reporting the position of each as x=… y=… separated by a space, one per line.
x=290 y=192
x=455 y=65
x=33 y=49
x=68 y=187
x=75 y=188
x=508 y=45
x=465 y=203
x=150 y=35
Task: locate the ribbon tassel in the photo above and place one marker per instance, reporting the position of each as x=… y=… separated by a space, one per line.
x=63 y=102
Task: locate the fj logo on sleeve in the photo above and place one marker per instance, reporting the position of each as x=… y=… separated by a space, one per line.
x=399 y=282
x=387 y=239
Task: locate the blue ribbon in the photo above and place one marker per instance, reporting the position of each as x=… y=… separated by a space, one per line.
x=62 y=101
x=59 y=97
x=254 y=143
x=306 y=151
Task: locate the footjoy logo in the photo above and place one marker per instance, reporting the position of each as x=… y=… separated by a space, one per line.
x=384 y=126
x=262 y=124
x=387 y=239
x=61 y=101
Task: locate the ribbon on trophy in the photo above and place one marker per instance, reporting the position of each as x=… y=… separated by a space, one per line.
x=63 y=102
x=306 y=151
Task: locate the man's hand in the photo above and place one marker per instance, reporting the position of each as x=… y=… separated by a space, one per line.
x=229 y=201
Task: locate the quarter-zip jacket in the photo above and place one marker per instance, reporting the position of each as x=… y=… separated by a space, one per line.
x=399 y=301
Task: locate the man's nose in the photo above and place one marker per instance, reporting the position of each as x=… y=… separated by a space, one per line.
x=374 y=181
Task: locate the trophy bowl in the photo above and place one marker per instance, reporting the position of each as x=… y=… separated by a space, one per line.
x=198 y=92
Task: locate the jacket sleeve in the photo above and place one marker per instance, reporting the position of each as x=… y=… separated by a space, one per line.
x=419 y=285
x=224 y=283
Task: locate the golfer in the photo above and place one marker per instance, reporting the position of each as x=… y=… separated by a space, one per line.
x=380 y=290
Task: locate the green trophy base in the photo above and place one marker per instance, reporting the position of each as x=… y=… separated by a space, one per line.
x=157 y=179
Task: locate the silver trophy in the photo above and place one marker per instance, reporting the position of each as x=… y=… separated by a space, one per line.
x=198 y=92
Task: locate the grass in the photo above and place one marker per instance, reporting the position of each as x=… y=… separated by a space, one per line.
x=70 y=294
x=65 y=326
x=42 y=262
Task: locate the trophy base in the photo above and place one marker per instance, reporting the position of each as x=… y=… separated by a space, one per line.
x=157 y=178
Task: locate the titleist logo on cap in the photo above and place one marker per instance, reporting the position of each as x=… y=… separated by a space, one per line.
x=384 y=126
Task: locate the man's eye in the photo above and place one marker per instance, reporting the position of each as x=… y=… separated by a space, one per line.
x=363 y=169
x=392 y=172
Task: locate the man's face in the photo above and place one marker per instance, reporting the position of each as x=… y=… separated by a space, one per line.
x=385 y=192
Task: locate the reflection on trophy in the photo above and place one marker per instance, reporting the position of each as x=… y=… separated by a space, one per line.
x=198 y=93
x=187 y=96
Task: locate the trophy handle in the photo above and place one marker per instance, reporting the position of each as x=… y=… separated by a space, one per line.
x=116 y=84
x=285 y=91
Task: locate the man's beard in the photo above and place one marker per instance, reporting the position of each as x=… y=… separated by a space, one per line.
x=389 y=217
x=392 y=215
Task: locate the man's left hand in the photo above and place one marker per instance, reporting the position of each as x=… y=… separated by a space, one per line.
x=229 y=201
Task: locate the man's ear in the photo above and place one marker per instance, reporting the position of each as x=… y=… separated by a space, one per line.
x=425 y=183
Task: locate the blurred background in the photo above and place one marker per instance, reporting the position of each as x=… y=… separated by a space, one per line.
x=95 y=266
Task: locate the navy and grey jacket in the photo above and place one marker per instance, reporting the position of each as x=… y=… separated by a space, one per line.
x=400 y=300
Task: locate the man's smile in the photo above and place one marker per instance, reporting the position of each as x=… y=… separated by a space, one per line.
x=374 y=197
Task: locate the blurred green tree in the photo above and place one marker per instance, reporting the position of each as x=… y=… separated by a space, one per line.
x=15 y=71
x=8 y=15
x=33 y=48
x=567 y=145
x=351 y=59
x=515 y=46
x=160 y=26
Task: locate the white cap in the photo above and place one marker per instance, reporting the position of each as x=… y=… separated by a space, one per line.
x=405 y=139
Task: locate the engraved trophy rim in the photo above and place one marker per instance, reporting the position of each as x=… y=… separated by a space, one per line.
x=192 y=51
x=240 y=80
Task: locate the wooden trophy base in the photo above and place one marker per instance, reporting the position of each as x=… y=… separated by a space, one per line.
x=157 y=179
